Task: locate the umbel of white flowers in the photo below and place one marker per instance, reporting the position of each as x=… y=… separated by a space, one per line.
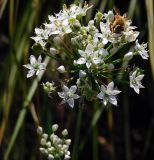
x=53 y=146
x=88 y=53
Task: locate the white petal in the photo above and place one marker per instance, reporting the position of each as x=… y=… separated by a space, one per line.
x=144 y=54
x=42 y=66
x=105 y=101
x=113 y=100
x=73 y=88
x=76 y=96
x=115 y=92
x=100 y=95
x=28 y=66
x=82 y=53
x=65 y=88
x=39 y=59
x=30 y=73
x=110 y=86
x=136 y=89
x=37 y=72
x=89 y=49
x=61 y=94
x=38 y=30
x=88 y=64
x=105 y=41
x=32 y=59
x=71 y=102
x=102 y=25
x=140 y=77
x=103 y=89
x=81 y=61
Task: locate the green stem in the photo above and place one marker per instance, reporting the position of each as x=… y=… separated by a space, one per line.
x=77 y=133
x=95 y=136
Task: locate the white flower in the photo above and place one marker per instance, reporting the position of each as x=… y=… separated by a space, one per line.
x=61 y=69
x=89 y=56
x=41 y=36
x=68 y=95
x=108 y=94
x=35 y=66
x=141 y=50
x=135 y=81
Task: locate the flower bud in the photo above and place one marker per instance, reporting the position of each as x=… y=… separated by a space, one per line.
x=57 y=40
x=50 y=157
x=61 y=69
x=65 y=132
x=54 y=127
x=82 y=74
x=39 y=130
x=68 y=141
x=43 y=142
x=53 y=51
x=98 y=16
x=128 y=56
x=66 y=157
x=45 y=136
x=42 y=150
x=48 y=144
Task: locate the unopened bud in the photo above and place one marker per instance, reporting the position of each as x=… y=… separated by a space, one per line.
x=50 y=157
x=128 y=56
x=66 y=157
x=65 y=132
x=68 y=141
x=61 y=69
x=53 y=51
x=54 y=127
x=39 y=130
x=82 y=74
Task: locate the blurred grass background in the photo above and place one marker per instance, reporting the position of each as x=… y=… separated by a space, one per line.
x=122 y=133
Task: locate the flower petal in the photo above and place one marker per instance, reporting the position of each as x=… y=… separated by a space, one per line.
x=29 y=66
x=32 y=59
x=76 y=96
x=70 y=102
x=65 y=88
x=110 y=86
x=39 y=59
x=73 y=88
x=81 y=61
x=113 y=100
x=100 y=95
x=61 y=94
x=30 y=73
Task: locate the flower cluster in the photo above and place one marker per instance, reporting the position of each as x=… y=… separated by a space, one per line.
x=90 y=55
x=53 y=146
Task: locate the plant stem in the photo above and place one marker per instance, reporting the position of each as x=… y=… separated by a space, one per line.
x=95 y=136
x=77 y=133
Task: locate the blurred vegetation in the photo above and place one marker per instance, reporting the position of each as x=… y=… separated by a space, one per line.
x=125 y=132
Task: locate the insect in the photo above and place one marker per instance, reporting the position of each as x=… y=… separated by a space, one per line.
x=118 y=23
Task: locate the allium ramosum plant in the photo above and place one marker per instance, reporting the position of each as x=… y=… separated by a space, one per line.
x=90 y=57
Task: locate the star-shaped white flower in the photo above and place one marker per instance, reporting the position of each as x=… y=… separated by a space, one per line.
x=108 y=94
x=68 y=95
x=135 y=81
x=35 y=66
x=41 y=36
x=141 y=49
x=89 y=56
